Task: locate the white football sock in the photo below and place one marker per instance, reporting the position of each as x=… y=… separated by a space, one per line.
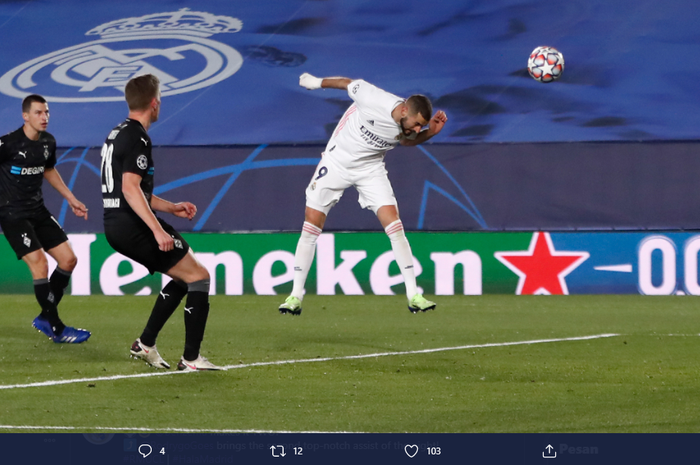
x=304 y=256
x=403 y=256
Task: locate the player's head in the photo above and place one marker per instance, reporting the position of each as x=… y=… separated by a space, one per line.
x=35 y=112
x=417 y=112
x=143 y=94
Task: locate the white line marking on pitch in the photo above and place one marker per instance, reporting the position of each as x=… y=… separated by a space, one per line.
x=164 y=430
x=309 y=360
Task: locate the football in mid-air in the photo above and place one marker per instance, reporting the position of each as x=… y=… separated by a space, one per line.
x=546 y=64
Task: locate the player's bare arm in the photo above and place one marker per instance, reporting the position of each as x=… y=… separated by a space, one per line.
x=437 y=122
x=56 y=181
x=131 y=188
x=181 y=209
x=312 y=82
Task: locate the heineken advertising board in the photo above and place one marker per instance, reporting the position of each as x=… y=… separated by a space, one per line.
x=362 y=263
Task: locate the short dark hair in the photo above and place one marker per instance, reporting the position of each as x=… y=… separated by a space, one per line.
x=140 y=91
x=29 y=99
x=420 y=104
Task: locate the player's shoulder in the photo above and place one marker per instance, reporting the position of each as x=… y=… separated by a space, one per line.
x=359 y=85
x=13 y=141
x=129 y=131
x=131 y=126
x=372 y=93
x=47 y=138
x=13 y=136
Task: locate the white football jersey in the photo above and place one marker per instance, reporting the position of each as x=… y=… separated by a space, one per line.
x=366 y=130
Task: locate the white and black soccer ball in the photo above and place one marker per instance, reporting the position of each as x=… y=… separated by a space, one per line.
x=546 y=64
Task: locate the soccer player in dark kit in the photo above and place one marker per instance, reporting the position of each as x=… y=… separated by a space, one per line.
x=27 y=157
x=133 y=229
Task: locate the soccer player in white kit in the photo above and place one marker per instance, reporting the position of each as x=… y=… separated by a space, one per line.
x=377 y=121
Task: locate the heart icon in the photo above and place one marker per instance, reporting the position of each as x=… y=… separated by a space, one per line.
x=411 y=450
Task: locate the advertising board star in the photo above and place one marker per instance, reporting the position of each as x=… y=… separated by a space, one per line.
x=541 y=268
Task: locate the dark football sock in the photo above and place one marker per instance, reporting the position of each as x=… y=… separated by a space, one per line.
x=166 y=303
x=58 y=282
x=46 y=299
x=196 y=314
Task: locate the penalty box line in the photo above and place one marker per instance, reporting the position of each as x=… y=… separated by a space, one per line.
x=309 y=360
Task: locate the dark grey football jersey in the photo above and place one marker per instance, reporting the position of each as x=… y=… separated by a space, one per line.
x=127 y=149
x=22 y=165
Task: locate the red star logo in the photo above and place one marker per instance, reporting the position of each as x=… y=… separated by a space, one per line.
x=541 y=268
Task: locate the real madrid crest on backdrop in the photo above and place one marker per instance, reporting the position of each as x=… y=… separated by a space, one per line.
x=174 y=46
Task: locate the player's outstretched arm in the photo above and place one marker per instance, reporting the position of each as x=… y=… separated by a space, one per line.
x=56 y=181
x=435 y=125
x=312 y=82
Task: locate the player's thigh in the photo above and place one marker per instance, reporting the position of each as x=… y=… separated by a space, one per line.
x=375 y=192
x=37 y=263
x=64 y=256
x=315 y=217
x=188 y=269
x=326 y=187
x=387 y=214
x=49 y=232
x=133 y=239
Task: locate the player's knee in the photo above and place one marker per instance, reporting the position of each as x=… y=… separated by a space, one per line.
x=387 y=214
x=202 y=273
x=315 y=217
x=69 y=263
x=38 y=264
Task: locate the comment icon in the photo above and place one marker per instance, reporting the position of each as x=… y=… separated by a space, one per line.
x=145 y=450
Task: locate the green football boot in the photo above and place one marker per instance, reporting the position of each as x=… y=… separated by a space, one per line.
x=417 y=304
x=291 y=305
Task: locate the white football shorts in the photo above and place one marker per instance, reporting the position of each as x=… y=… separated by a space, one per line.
x=330 y=181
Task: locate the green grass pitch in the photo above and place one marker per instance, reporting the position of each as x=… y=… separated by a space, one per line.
x=643 y=380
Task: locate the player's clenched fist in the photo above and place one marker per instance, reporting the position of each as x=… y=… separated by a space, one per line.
x=309 y=81
x=437 y=122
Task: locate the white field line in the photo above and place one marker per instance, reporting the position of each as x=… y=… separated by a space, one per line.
x=310 y=360
x=162 y=430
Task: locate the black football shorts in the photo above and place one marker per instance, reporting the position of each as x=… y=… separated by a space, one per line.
x=130 y=236
x=26 y=235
